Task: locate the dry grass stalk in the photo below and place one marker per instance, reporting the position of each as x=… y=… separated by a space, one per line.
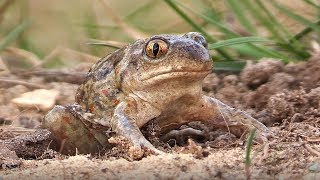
x=24 y=83
x=113 y=44
x=4 y=7
x=66 y=51
x=3 y=67
x=27 y=55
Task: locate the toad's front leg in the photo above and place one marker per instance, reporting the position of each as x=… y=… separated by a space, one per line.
x=125 y=122
x=236 y=121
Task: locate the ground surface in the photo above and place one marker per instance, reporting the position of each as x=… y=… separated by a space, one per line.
x=284 y=97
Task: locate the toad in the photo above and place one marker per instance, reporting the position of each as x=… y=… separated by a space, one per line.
x=158 y=79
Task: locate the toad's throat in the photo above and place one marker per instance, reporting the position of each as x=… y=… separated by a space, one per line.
x=175 y=74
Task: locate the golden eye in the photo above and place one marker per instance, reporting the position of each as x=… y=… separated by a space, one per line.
x=156 y=48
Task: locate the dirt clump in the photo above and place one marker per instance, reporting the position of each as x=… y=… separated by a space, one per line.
x=29 y=146
x=259 y=98
x=307 y=73
x=260 y=73
x=295 y=106
x=8 y=158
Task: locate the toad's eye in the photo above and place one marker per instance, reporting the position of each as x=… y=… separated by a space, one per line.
x=156 y=48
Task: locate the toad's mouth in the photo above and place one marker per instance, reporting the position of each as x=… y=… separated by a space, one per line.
x=174 y=74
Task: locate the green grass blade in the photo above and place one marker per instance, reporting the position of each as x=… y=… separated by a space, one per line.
x=26 y=44
x=295 y=16
x=186 y=18
x=96 y=26
x=249 y=51
x=274 y=20
x=249 y=48
x=303 y=33
x=89 y=22
x=234 y=41
x=209 y=10
x=238 y=9
x=277 y=30
x=13 y=35
x=249 y=145
x=222 y=28
x=312 y=4
x=248 y=151
x=270 y=53
x=293 y=46
x=234 y=66
x=141 y=9
x=197 y=27
x=241 y=40
x=267 y=23
x=258 y=52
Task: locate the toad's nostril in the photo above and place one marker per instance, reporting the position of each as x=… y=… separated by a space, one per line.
x=196 y=52
x=197 y=37
x=201 y=40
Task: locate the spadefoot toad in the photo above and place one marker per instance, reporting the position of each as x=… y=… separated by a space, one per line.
x=159 y=79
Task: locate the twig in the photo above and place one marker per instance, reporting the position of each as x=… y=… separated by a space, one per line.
x=18 y=82
x=62 y=145
x=310 y=139
x=15 y=129
x=266 y=150
x=48 y=147
x=57 y=75
x=313 y=139
x=311 y=150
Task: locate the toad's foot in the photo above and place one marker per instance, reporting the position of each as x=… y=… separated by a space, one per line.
x=73 y=131
x=123 y=124
x=143 y=143
x=236 y=121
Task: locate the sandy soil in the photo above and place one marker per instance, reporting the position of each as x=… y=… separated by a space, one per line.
x=284 y=97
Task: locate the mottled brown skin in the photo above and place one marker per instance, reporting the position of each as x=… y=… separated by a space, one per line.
x=130 y=87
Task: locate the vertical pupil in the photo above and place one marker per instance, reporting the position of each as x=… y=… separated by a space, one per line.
x=155 y=49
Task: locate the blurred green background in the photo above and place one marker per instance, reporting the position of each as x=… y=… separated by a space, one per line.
x=43 y=26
